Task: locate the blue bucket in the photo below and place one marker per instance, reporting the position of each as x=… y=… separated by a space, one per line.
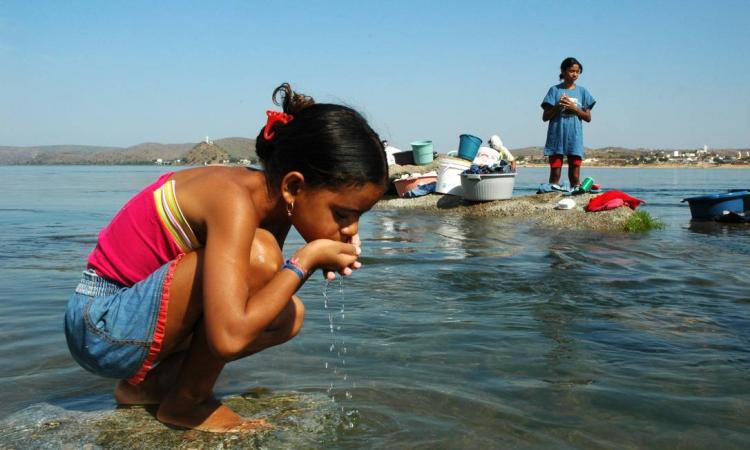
x=468 y=146
x=707 y=207
x=422 y=151
x=745 y=199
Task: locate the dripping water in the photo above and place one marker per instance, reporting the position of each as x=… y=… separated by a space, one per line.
x=334 y=304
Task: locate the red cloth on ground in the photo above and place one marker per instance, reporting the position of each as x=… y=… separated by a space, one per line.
x=611 y=200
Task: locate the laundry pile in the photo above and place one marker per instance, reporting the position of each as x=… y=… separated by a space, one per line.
x=501 y=166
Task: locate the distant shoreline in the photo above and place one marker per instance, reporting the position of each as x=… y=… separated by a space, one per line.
x=652 y=166
x=520 y=166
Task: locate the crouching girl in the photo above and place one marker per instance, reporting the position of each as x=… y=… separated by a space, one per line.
x=189 y=274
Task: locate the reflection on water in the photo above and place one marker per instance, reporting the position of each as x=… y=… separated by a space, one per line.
x=459 y=332
x=713 y=228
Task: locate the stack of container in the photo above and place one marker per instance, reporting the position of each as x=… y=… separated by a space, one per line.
x=484 y=186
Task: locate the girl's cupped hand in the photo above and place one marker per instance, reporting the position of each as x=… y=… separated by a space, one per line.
x=331 y=256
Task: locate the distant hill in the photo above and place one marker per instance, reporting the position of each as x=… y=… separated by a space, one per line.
x=527 y=151
x=238 y=148
x=28 y=155
x=205 y=153
x=235 y=147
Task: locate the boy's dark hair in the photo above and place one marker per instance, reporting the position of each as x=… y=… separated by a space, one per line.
x=331 y=145
x=567 y=62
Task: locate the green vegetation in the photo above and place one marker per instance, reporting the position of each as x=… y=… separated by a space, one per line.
x=641 y=221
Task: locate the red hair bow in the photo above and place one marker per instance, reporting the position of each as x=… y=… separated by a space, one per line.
x=273 y=117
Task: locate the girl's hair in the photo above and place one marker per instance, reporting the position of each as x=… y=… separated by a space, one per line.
x=331 y=145
x=567 y=63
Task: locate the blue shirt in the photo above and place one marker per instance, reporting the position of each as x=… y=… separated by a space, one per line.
x=565 y=131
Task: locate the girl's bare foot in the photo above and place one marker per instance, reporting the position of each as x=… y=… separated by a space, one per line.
x=209 y=415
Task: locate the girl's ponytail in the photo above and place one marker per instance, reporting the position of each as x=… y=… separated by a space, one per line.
x=331 y=145
x=291 y=102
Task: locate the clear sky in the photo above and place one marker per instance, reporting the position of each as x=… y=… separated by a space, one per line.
x=666 y=74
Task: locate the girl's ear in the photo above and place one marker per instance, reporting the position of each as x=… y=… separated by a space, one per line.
x=291 y=185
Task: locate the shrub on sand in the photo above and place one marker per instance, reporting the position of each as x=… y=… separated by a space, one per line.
x=641 y=221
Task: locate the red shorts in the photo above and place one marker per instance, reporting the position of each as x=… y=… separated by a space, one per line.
x=556 y=161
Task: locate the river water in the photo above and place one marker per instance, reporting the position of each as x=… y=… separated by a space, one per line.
x=457 y=332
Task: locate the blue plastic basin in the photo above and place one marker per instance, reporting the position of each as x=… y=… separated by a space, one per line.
x=707 y=207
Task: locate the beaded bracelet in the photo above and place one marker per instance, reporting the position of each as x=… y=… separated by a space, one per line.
x=294 y=265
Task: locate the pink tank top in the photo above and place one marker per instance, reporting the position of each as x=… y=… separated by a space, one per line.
x=146 y=233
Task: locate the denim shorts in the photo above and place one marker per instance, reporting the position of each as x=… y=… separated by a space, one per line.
x=116 y=331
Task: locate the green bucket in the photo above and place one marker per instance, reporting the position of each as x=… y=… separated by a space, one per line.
x=422 y=152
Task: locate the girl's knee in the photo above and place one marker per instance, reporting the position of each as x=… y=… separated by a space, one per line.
x=265 y=259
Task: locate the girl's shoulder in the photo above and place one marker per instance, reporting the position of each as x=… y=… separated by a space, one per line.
x=219 y=194
x=217 y=184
